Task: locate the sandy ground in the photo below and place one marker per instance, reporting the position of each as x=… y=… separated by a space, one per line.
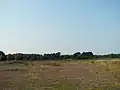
x=60 y=75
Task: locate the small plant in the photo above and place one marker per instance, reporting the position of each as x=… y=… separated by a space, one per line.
x=92 y=62
x=107 y=69
x=96 y=72
x=52 y=64
x=56 y=64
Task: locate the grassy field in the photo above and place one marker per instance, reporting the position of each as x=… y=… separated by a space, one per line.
x=60 y=75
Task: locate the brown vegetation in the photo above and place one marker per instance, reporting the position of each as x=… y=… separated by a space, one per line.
x=60 y=75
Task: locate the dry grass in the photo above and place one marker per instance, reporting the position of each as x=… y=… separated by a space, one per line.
x=60 y=75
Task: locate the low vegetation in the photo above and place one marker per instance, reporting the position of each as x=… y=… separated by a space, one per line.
x=60 y=75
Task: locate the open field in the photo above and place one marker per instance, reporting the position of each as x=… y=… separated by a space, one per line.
x=60 y=75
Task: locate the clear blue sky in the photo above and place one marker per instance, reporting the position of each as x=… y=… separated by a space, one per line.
x=43 y=26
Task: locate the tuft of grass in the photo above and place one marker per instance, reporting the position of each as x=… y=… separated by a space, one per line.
x=13 y=69
x=53 y=64
x=16 y=62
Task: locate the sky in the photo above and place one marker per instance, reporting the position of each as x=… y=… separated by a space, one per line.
x=68 y=26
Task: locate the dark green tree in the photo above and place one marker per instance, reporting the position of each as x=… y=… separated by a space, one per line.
x=2 y=56
x=10 y=57
x=87 y=55
x=77 y=55
x=18 y=56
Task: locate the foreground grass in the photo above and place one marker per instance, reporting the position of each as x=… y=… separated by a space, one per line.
x=60 y=75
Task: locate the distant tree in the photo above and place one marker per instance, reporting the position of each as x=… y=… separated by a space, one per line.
x=87 y=55
x=55 y=56
x=18 y=56
x=45 y=57
x=77 y=55
x=66 y=57
x=38 y=57
x=2 y=56
x=10 y=57
x=58 y=55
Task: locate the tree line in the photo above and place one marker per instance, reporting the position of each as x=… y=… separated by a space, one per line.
x=55 y=56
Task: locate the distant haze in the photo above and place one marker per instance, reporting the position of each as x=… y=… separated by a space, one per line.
x=46 y=26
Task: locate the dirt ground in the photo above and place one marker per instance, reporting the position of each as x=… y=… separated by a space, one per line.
x=60 y=75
